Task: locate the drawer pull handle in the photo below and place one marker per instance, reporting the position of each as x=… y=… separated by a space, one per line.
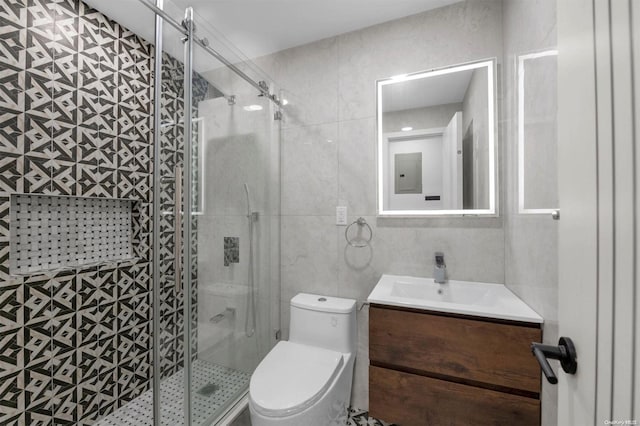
x=565 y=352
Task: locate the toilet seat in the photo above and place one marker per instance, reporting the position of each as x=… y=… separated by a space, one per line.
x=292 y=377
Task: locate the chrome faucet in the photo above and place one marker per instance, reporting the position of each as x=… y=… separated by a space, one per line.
x=440 y=269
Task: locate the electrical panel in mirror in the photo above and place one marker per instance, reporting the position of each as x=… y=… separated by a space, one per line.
x=437 y=143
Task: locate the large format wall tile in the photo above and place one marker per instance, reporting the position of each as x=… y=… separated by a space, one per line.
x=331 y=86
x=310 y=170
x=310 y=258
x=403 y=247
x=311 y=76
x=357 y=166
x=531 y=241
x=462 y=32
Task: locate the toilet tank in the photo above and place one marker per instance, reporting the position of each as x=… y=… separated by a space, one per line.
x=323 y=321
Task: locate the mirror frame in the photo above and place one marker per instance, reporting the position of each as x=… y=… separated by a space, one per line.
x=490 y=64
x=522 y=209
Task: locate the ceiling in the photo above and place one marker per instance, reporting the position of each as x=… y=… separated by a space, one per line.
x=426 y=92
x=260 y=27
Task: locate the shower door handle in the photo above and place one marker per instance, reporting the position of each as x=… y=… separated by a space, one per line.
x=177 y=250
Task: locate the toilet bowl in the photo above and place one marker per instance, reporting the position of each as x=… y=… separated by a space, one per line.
x=307 y=380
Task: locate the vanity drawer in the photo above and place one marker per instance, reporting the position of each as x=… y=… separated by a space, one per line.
x=487 y=354
x=408 y=400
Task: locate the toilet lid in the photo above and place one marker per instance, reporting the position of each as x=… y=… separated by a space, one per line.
x=292 y=377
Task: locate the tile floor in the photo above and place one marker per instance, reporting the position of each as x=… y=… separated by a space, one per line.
x=356 y=418
x=227 y=383
x=361 y=418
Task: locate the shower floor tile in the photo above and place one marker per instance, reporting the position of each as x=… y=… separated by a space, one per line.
x=217 y=385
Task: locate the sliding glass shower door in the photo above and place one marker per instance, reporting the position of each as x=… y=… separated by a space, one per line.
x=218 y=228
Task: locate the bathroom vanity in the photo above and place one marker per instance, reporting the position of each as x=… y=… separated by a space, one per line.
x=440 y=357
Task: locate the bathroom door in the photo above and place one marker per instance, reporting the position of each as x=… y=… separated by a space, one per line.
x=599 y=171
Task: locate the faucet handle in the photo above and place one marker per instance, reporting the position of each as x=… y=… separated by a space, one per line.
x=439 y=259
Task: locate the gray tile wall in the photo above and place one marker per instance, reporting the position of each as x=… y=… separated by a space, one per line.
x=328 y=159
x=531 y=250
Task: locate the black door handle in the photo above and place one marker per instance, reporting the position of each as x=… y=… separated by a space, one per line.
x=565 y=352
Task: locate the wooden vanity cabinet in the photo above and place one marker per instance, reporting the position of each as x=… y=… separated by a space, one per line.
x=431 y=368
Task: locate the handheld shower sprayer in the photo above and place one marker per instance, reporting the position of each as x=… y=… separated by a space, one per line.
x=251 y=297
x=251 y=215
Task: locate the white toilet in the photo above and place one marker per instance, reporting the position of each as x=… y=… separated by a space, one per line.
x=307 y=380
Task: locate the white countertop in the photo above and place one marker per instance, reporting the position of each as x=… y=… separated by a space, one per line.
x=485 y=300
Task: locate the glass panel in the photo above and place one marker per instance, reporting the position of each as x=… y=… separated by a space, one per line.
x=171 y=315
x=234 y=192
x=232 y=220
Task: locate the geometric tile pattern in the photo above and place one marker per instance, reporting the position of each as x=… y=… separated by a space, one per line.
x=76 y=113
x=52 y=232
x=359 y=417
x=231 y=250
x=356 y=417
x=172 y=152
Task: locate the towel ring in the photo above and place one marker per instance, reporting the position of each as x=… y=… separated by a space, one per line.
x=360 y=222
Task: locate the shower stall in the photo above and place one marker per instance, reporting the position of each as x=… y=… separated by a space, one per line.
x=216 y=224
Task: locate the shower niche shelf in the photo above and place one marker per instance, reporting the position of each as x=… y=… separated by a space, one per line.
x=50 y=233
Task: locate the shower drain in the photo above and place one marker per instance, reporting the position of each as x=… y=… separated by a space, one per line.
x=208 y=389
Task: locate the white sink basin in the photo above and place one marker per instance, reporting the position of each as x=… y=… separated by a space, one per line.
x=459 y=297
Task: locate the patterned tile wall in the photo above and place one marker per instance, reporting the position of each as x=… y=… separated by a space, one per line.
x=172 y=152
x=75 y=116
x=75 y=119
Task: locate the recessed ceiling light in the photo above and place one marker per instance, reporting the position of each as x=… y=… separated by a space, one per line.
x=407 y=129
x=285 y=102
x=253 y=108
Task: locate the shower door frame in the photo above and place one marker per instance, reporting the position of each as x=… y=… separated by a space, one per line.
x=182 y=208
x=157 y=211
x=187 y=207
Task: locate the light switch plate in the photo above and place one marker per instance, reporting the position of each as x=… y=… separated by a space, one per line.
x=341 y=215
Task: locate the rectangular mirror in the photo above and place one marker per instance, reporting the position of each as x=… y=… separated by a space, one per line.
x=436 y=142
